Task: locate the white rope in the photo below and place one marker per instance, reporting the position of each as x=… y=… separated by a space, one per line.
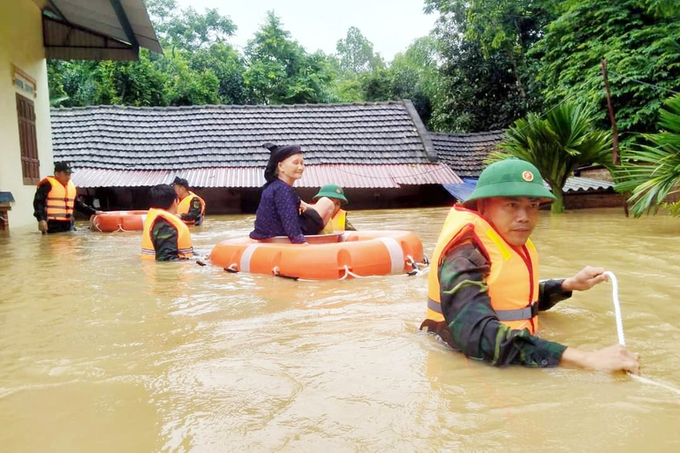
x=423 y=272
x=349 y=273
x=622 y=340
x=416 y=267
x=617 y=306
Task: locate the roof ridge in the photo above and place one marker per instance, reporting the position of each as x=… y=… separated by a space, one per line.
x=226 y=106
x=468 y=134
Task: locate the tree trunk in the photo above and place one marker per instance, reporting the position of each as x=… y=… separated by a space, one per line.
x=517 y=78
x=557 y=206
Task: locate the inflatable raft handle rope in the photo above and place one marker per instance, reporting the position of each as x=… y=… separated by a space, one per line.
x=622 y=340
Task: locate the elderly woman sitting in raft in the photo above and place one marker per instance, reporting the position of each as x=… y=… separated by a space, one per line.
x=281 y=212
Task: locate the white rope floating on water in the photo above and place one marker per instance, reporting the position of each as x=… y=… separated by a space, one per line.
x=417 y=271
x=622 y=340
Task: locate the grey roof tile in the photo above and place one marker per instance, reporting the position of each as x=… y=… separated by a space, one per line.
x=465 y=153
x=170 y=138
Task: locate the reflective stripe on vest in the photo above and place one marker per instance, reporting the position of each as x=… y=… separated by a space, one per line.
x=503 y=315
x=336 y=224
x=60 y=200
x=184 y=206
x=184 y=247
x=512 y=281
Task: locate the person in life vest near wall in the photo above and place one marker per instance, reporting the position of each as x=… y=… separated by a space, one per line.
x=338 y=222
x=165 y=236
x=190 y=207
x=55 y=199
x=483 y=290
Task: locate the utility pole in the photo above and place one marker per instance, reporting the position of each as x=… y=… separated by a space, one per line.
x=616 y=157
x=610 y=109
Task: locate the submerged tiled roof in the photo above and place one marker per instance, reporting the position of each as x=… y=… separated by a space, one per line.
x=574 y=184
x=583 y=184
x=181 y=138
x=465 y=153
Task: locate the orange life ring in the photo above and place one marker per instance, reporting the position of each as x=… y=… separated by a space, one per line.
x=118 y=221
x=328 y=257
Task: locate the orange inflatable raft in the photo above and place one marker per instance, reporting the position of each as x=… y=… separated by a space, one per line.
x=118 y=221
x=327 y=257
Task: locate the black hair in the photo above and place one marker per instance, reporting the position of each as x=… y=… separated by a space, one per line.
x=181 y=182
x=162 y=196
x=62 y=166
x=271 y=147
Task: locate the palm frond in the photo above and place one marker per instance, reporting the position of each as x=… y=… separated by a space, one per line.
x=557 y=144
x=651 y=173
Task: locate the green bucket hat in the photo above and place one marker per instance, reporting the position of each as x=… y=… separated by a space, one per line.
x=331 y=191
x=510 y=178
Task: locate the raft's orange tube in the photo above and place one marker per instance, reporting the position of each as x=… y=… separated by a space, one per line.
x=118 y=221
x=328 y=257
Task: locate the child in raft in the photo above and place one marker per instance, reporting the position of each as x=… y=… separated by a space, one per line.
x=281 y=212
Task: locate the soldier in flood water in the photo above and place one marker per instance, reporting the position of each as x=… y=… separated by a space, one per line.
x=484 y=295
x=55 y=199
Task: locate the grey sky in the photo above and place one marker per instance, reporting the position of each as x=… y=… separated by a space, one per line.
x=391 y=25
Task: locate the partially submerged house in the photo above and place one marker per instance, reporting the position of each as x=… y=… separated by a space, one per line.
x=379 y=152
x=465 y=154
x=30 y=32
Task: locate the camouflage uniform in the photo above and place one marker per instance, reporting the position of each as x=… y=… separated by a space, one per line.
x=471 y=323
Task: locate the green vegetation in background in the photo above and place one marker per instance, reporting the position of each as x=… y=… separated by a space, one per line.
x=651 y=172
x=487 y=80
x=199 y=66
x=486 y=64
x=639 y=39
x=557 y=145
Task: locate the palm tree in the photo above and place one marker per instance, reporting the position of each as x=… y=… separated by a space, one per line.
x=557 y=145
x=652 y=172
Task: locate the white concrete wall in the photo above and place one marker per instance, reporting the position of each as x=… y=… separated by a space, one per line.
x=21 y=45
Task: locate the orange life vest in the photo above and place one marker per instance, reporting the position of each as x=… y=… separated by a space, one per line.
x=184 y=247
x=60 y=200
x=513 y=277
x=184 y=206
x=336 y=224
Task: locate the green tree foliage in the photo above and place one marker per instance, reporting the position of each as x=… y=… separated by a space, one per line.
x=487 y=78
x=355 y=53
x=198 y=67
x=557 y=145
x=478 y=93
x=280 y=70
x=415 y=76
x=187 y=29
x=641 y=41
x=652 y=172
x=486 y=64
x=228 y=66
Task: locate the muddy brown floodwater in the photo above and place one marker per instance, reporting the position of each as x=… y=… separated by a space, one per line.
x=101 y=352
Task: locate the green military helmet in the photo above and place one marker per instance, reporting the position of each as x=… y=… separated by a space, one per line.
x=510 y=178
x=331 y=191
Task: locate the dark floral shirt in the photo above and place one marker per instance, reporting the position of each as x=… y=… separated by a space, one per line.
x=278 y=213
x=472 y=325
